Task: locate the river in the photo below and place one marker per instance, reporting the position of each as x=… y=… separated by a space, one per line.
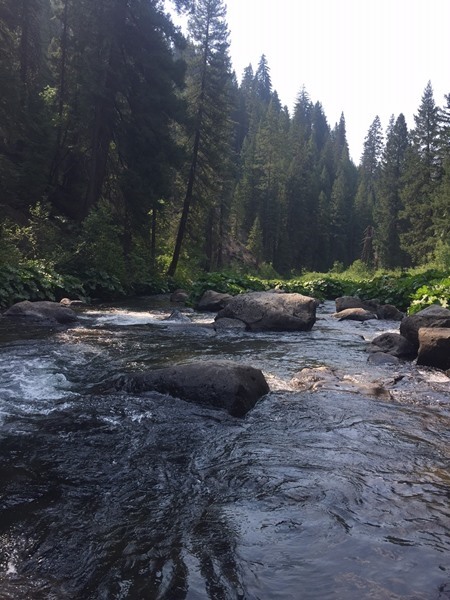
x=327 y=494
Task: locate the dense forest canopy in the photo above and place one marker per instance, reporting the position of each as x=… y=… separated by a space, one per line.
x=128 y=150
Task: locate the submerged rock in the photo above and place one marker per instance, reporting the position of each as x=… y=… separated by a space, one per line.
x=326 y=378
x=219 y=384
x=382 y=358
x=178 y=317
x=42 y=312
x=265 y=311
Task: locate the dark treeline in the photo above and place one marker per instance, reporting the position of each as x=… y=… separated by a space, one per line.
x=128 y=149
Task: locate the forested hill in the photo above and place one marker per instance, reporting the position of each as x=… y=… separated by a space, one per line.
x=128 y=150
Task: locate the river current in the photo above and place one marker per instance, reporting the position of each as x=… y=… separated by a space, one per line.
x=326 y=494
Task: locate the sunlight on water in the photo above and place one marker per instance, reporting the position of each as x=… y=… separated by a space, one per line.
x=324 y=490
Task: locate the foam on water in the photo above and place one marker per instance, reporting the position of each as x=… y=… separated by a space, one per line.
x=124 y=317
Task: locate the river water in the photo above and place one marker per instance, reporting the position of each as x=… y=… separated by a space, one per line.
x=327 y=494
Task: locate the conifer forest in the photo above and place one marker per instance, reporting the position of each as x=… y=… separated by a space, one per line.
x=130 y=151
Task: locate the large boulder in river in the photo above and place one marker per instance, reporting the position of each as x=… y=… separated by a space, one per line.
x=265 y=311
x=42 y=312
x=432 y=316
x=219 y=384
x=213 y=301
x=434 y=348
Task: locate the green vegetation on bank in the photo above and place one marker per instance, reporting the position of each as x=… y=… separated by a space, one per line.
x=409 y=291
x=39 y=262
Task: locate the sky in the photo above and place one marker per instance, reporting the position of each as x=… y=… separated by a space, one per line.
x=360 y=57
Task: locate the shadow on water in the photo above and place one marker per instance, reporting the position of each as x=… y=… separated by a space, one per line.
x=313 y=495
x=104 y=501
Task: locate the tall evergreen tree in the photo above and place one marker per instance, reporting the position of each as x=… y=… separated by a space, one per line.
x=366 y=195
x=115 y=84
x=441 y=203
x=24 y=122
x=389 y=225
x=342 y=198
x=211 y=138
x=422 y=176
x=300 y=200
x=263 y=80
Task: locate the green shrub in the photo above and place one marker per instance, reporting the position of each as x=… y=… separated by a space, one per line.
x=437 y=292
x=227 y=283
x=100 y=284
x=359 y=269
x=98 y=259
x=442 y=255
x=397 y=290
x=34 y=281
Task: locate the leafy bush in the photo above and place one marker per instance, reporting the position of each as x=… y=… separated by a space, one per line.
x=397 y=290
x=442 y=255
x=34 y=281
x=40 y=239
x=227 y=283
x=98 y=259
x=434 y=293
x=101 y=284
x=359 y=269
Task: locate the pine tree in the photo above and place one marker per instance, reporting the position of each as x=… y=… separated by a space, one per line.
x=387 y=214
x=269 y=177
x=263 y=81
x=441 y=203
x=210 y=77
x=300 y=201
x=24 y=121
x=342 y=198
x=367 y=192
x=422 y=176
x=115 y=81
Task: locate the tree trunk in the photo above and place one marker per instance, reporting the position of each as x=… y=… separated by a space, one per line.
x=186 y=206
x=192 y=171
x=55 y=168
x=104 y=115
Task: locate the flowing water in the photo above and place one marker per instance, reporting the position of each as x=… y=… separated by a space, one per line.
x=313 y=495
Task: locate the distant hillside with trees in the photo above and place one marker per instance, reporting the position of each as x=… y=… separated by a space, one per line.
x=129 y=152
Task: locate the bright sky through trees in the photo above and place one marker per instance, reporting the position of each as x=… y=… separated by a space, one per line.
x=362 y=57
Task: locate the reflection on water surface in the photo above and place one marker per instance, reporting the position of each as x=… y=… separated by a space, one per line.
x=313 y=495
